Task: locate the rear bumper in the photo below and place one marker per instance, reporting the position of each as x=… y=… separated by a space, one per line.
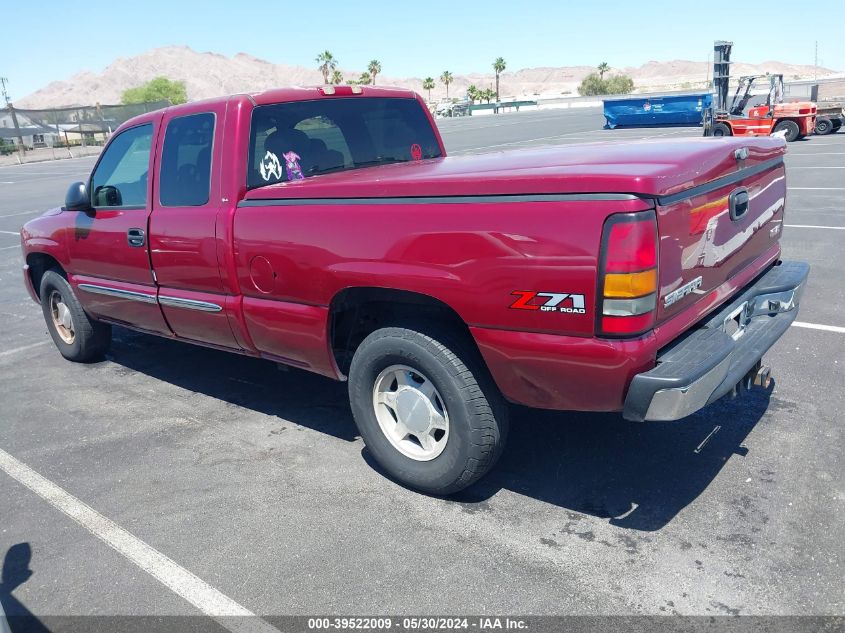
x=708 y=362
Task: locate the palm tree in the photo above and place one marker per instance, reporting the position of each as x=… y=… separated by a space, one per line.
x=473 y=93
x=374 y=69
x=327 y=64
x=446 y=78
x=428 y=84
x=499 y=68
x=603 y=68
x=364 y=79
x=487 y=94
x=337 y=77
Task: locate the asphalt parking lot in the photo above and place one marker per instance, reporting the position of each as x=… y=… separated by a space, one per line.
x=253 y=479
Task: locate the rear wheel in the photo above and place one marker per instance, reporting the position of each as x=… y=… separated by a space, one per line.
x=790 y=127
x=77 y=336
x=722 y=129
x=426 y=408
x=824 y=126
x=837 y=123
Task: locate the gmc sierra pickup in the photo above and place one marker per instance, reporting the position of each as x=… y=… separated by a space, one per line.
x=325 y=228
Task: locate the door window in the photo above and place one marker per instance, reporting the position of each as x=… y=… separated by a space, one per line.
x=120 y=179
x=185 y=176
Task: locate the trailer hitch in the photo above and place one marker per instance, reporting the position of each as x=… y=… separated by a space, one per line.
x=758 y=376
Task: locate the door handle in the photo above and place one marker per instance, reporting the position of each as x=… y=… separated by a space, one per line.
x=136 y=237
x=738 y=203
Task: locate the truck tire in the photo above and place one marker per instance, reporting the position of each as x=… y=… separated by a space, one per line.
x=426 y=407
x=77 y=336
x=791 y=127
x=722 y=129
x=837 y=123
x=824 y=126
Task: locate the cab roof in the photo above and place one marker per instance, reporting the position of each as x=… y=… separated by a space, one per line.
x=280 y=95
x=299 y=93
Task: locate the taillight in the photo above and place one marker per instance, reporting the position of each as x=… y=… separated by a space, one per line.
x=627 y=292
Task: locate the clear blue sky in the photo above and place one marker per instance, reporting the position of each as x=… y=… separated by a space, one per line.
x=417 y=38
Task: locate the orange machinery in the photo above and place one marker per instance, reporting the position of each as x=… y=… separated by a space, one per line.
x=742 y=117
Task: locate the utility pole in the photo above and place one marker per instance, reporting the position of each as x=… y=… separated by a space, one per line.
x=816 y=63
x=21 y=148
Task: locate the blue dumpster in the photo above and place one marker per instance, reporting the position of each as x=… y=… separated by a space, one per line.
x=656 y=111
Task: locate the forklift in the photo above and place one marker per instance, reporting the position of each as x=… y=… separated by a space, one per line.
x=750 y=114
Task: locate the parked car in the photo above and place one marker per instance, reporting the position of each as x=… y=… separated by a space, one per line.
x=7 y=147
x=452 y=108
x=325 y=228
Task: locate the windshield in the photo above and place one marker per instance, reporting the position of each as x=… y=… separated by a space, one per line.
x=291 y=141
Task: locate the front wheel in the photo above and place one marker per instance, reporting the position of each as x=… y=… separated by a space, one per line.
x=426 y=408
x=77 y=336
x=790 y=127
x=722 y=129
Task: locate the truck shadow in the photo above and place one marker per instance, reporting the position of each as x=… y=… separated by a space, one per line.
x=637 y=475
x=300 y=396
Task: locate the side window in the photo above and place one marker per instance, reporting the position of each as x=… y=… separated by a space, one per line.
x=185 y=176
x=120 y=179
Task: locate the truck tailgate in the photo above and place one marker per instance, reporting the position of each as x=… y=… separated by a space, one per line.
x=728 y=227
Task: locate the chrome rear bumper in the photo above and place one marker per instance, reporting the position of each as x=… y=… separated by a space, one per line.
x=709 y=361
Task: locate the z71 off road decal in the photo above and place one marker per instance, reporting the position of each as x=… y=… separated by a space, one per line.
x=549 y=302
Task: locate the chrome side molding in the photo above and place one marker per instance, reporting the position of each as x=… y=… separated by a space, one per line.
x=189 y=304
x=172 y=302
x=116 y=292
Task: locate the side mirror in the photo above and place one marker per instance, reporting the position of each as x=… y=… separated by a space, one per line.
x=77 y=198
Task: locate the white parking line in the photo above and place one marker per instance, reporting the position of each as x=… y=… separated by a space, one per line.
x=815 y=154
x=203 y=596
x=12 y=215
x=10 y=232
x=9 y=352
x=816 y=188
x=813 y=226
x=817 y=167
x=818 y=326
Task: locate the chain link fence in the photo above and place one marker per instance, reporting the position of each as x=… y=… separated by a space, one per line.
x=36 y=135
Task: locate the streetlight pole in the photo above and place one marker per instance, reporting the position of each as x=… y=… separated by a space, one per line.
x=21 y=148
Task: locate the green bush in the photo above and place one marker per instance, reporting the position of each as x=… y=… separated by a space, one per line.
x=157 y=89
x=594 y=84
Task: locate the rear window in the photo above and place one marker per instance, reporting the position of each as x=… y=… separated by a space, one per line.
x=292 y=141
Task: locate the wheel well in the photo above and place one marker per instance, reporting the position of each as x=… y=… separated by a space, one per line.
x=40 y=263
x=355 y=313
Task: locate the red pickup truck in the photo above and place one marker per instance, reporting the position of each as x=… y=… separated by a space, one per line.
x=325 y=228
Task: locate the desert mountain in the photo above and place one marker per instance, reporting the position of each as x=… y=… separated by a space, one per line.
x=211 y=74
